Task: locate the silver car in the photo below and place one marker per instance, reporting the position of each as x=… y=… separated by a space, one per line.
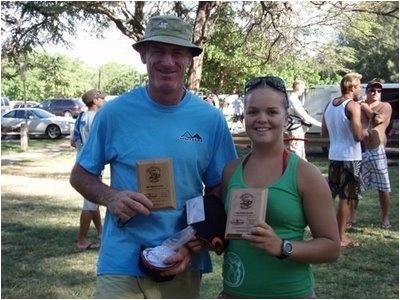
x=40 y=122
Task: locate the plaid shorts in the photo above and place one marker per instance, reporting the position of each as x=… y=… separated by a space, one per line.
x=344 y=179
x=375 y=170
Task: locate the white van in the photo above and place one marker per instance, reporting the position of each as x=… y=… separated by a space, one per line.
x=317 y=97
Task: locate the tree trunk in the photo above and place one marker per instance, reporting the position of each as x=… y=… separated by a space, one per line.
x=24 y=137
x=199 y=38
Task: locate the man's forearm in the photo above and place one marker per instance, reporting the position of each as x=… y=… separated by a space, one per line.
x=90 y=186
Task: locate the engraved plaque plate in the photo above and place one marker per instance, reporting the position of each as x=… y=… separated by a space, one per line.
x=156 y=182
x=246 y=208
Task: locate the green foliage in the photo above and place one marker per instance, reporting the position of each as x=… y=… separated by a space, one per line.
x=27 y=25
x=375 y=39
x=55 y=75
x=117 y=79
x=315 y=41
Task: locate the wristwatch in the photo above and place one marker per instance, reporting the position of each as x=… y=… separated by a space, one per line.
x=286 y=249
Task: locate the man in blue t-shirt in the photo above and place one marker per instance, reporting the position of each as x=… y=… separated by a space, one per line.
x=160 y=121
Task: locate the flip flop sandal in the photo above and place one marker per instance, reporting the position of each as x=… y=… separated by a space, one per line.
x=351 y=245
x=386 y=226
x=91 y=246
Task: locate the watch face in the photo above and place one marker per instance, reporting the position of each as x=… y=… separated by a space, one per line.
x=288 y=248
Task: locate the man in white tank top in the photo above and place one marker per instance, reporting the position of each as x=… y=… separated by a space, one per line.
x=342 y=123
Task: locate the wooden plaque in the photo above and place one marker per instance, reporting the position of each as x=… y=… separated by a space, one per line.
x=156 y=182
x=247 y=207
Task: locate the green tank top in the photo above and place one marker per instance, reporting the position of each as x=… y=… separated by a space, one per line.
x=249 y=272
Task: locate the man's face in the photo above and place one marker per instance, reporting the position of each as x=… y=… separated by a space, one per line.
x=374 y=93
x=166 y=66
x=301 y=89
x=357 y=90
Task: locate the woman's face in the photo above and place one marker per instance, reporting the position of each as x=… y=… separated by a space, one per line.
x=265 y=115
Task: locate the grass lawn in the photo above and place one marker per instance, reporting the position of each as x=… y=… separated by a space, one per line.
x=40 y=220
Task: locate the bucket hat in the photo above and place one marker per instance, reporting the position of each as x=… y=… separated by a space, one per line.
x=169 y=30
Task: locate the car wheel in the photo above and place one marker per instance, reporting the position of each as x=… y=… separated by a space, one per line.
x=67 y=114
x=53 y=132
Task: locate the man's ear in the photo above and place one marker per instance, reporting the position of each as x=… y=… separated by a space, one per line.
x=142 y=56
x=190 y=62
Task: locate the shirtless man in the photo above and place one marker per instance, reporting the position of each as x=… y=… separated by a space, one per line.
x=376 y=119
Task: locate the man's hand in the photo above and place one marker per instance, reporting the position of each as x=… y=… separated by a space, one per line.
x=126 y=204
x=182 y=260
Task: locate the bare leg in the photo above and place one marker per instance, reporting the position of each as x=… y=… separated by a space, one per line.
x=353 y=212
x=96 y=216
x=85 y=220
x=342 y=216
x=384 y=199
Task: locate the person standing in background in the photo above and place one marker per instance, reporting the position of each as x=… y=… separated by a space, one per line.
x=342 y=123
x=296 y=135
x=376 y=118
x=238 y=116
x=90 y=211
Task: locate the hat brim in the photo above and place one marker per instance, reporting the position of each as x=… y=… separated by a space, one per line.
x=375 y=84
x=169 y=40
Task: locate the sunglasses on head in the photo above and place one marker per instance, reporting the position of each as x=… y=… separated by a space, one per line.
x=271 y=81
x=375 y=91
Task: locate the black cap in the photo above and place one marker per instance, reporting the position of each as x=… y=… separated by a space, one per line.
x=374 y=83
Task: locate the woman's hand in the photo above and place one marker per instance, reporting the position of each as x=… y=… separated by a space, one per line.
x=264 y=237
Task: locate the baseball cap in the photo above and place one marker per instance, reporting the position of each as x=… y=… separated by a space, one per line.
x=90 y=95
x=374 y=82
x=170 y=30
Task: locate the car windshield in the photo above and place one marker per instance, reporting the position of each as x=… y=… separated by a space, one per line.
x=42 y=114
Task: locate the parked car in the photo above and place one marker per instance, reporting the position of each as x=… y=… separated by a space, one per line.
x=5 y=105
x=40 y=122
x=63 y=107
x=21 y=104
x=316 y=99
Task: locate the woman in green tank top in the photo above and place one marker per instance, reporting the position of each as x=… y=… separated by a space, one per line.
x=274 y=260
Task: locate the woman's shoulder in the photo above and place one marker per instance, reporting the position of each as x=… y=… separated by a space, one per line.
x=232 y=165
x=308 y=173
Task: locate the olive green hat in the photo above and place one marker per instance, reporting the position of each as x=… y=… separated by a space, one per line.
x=170 y=30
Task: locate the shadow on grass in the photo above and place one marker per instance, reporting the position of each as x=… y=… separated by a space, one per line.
x=39 y=255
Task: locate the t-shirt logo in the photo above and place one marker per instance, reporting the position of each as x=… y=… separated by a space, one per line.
x=233 y=270
x=191 y=137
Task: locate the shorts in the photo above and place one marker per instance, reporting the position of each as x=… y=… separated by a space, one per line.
x=183 y=286
x=296 y=142
x=344 y=179
x=375 y=170
x=87 y=205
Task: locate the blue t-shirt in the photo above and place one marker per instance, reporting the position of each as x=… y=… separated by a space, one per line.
x=133 y=127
